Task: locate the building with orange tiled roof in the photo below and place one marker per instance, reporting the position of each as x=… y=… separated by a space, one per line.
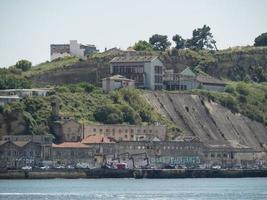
x=72 y=153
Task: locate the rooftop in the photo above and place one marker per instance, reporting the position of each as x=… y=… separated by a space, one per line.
x=133 y=59
x=10 y=97
x=205 y=78
x=70 y=145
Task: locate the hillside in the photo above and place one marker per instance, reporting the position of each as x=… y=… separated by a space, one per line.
x=83 y=102
x=214 y=124
x=237 y=64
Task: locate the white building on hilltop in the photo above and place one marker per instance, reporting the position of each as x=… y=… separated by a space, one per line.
x=72 y=49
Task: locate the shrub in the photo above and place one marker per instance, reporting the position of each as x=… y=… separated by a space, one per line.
x=242 y=89
x=230 y=89
x=24 y=65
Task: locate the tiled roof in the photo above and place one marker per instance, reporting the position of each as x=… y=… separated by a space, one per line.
x=209 y=79
x=133 y=59
x=70 y=145
x=97 y=139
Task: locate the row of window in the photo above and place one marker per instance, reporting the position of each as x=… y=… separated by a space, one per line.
x=72 y=153
x=128 y=69
x=22 y=153
x=164 y=147
x=124 y=130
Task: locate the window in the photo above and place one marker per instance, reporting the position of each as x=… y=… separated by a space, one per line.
x=100 y=130
x=94 y=130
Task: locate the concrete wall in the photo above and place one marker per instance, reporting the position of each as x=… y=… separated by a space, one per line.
x=212 y=87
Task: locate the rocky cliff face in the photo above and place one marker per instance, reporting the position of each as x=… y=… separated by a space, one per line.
x=209 y=121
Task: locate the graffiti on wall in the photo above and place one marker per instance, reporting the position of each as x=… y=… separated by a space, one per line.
x=181 y=160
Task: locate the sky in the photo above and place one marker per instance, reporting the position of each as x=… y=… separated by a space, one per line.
x=28 y=27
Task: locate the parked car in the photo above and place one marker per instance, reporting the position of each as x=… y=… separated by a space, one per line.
x=60 y=167
x=26 y=168
x=216 y=167
x=70 y=167
x=45 y=168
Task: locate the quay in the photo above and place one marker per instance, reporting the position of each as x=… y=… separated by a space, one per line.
x=129 y=173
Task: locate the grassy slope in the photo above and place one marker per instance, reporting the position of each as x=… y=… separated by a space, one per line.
x=50 y=66
x=249 y=99
x=83 y=101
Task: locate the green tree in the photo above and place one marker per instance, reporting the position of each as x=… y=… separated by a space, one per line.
x=202 y=38
x=24 y=65
x=159 y=42
x=261 y=40
x=109 y=114
x=143 y=45
x=179 y=41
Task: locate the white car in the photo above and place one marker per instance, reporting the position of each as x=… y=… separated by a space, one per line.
x=27 y=168
x=216 y=167
x=45 y=167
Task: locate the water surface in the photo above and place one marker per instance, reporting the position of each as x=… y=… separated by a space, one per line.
x=135 y=189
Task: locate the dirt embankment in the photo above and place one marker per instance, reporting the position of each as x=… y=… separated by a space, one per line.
x=209 y=121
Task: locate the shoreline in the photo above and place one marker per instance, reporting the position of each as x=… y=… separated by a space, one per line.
x=136 y=173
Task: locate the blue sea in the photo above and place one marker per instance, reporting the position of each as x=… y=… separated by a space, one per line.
x=135 y=189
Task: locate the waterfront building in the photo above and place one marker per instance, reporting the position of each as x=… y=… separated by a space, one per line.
x=125 y=132
x=24 y=150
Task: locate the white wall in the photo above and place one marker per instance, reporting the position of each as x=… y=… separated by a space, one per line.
x=75 y=49
x=58 y=55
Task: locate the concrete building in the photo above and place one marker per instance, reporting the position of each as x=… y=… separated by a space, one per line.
x=21 y=150
x=208 y=82
x=97 y=150
x=121 y=132
x=8 y=99
x=71 y=153
x=188 y=80
x=146 y=71
x=184 y=80
x=116 y=82
x=72 y=49
x=26 y=92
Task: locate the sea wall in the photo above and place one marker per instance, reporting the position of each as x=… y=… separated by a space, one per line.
x=139 y=173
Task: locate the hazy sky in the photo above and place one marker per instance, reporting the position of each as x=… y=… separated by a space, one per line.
x=28 y=27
